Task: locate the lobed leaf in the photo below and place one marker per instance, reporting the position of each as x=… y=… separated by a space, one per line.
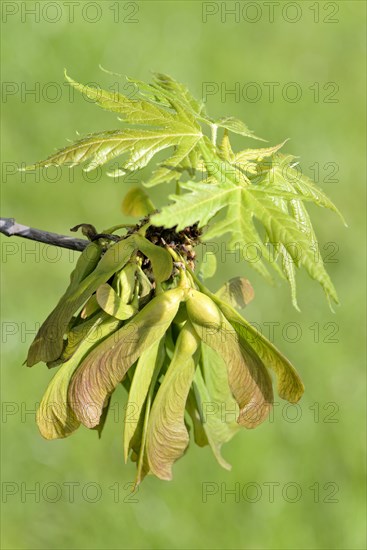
x=244 y=203
x=202 y=203
x=286 y=176
x=283 y=229
x=139 y=145
x=237 y=192
x=225 y=148
x=175 y=91
x=236 y=126
x=134 y=111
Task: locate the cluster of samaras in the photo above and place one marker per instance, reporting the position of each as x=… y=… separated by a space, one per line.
x=184 y=355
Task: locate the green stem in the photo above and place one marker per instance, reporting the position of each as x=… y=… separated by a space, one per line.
x=114 y=228
x=143 y=229
x=214 y=130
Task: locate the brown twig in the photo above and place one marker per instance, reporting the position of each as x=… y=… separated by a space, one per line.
x=10 y=228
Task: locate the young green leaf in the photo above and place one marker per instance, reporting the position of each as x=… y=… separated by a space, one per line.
x=175 y=129
x=202 y=203
x=283 y=173
x=243 y=204
x=248 y=159
x=225 y=148
x=173 y=91
x=134 y=111
x=247 y=189
x=138 y=145
x=137 y=203
x=236 y=126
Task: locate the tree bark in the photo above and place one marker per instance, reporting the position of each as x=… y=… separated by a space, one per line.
x=10 y=228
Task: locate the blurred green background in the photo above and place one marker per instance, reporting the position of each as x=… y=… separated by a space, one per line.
x=299 y=478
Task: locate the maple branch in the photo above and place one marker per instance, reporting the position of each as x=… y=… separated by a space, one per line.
x=10 y=228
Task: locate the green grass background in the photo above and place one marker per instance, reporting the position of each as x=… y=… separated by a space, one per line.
x=170 y=36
